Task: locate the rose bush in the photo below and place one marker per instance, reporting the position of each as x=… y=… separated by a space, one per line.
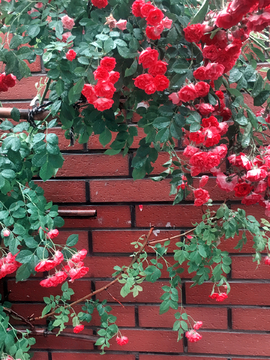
x=184 y=70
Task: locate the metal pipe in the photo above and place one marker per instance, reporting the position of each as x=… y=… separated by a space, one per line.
x=84 y=213
x=6 y=113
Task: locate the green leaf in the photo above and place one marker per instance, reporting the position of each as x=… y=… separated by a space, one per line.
x=72 y=240
x=105 y=137
x=130 y=71
x=33 y=30
x=202 y=251
x=200 y=15
x=108 y=45
x=125 y=53
x=23 y=272
x=75 y=92
x=8 y=174
x=24 y=256
x=161 y=122
x=46 y=171
x=235 y=75
x=164 y=307
x=261 y=98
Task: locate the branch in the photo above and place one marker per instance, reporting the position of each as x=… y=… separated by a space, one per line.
x=89 y=296
x=12 y=312
x=44 y=332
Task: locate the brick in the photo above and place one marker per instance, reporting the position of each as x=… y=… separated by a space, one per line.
x=151 y=292
x=244 y=268
x=168 y=215
x=35 y=66
x=119 y=241
x=129 y=190
x=32 y=291
x=212 y=317
x=61 y=342
x=19 y=105
x=251 y=319
x=39 y=355
x=90 y=356
x=150 y=340
x=241 y=294
x=19 y=93
x=125 y=315
x=177 y=357
x=63 y=191
x=231 y=343
x=112 y=190
x=117 y=216
x=94 y=165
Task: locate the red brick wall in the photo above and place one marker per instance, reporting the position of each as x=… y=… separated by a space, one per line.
x=236 y=329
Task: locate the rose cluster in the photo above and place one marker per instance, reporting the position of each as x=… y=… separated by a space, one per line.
x=8 y=265
x=201 y=196
x=193 y=336
x=122 y=340
x=249 y=178
x=154 y=80
x=100 y=95
x=154 y=18
x=219 y=296
x=74 y=269
x=7 y=81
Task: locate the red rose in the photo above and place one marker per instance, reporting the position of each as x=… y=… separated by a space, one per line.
x=136 y=8
x=150 y=88
x=167 y=23
x=256 y=174
x=251 y=199
x=67 y=22
x=197 y=137
x=226 y=20
x=201 y=196
x=3 y=85
x=203 y=181
x=105 y=89
x=108 y=63
x=210 y=52
x=198 y=159
x=190 y=151
x=187 y=93
x=102 y=104
x=204 y=109
x=159 y=68
x=212 y=136
x=161 y=82
x=142 y=80
x=213 y=71
x=242 y=189
x=148 y=57
x=101 y=73
x=100 y=3
x=71 y=55
x=211 y=121
x=145 y=8
x=114 y=76
x=154 y=16
x=89 y=92
x=202 y=89
x=78 y=328
x=9 y=80
x=211 y=160
x=200 y=73
x=174 y=98
x=193 y=33
x=153 y=32
x=221 y=150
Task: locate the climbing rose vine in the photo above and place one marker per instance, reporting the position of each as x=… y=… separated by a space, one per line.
x=186 y=69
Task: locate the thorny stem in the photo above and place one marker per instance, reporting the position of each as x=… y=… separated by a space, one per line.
x=12 y=312
x=88 y=296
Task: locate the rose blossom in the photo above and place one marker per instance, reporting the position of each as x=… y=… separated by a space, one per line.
x=193 y=336
x=187 y=93
x=203 y=181
x=213 y=71
x=158 y=68
x=167 y=23
x=89 y=92
x=6 y=233
x=202 y=89
x=114 y=76
x=201 y=196
x=267 y=260
x=204 y=109
x=101 y=73
x=142 y=80
x=242 y=189
x=193 y=33
x=197 y=325
x=154 y=17
x=136 y=8
x=102 y=104
x=256 y=174
x=121 y=24
x=67 y=22
x=108 y=63
x=105 y=89
x=226 y=183
x=148 y=57
x=174 y=98
x=78 y=328
x=145 y=8
x=71 y=55
x=123 y=340
x=153 y=32
x=100 y=4
x=190 y=151
x=161 y=82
